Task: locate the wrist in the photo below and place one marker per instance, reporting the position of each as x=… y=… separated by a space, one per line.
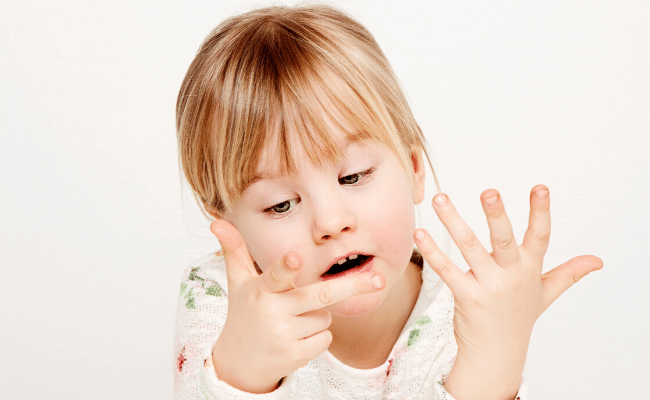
x=488 y=372
x=240 y=376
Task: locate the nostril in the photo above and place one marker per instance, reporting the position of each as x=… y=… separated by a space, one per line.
x=347 y=228
x=326 y=237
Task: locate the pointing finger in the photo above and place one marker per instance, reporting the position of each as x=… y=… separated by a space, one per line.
x=325 y=293
x=239 y=265
x=559 y=279
x=281 y=275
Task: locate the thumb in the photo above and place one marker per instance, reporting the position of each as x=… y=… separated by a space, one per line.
x=559 y=279
x=239 y=264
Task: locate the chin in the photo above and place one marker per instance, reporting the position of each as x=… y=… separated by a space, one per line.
x=358 y=305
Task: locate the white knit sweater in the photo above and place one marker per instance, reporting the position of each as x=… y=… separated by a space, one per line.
x=416 y=368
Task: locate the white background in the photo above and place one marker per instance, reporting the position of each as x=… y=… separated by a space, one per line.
x=95 y=230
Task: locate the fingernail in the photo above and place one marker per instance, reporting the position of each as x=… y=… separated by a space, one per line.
x=541 y=193
x=440 y=199
x=419 y=235
x=376 y=281
x=490 y=201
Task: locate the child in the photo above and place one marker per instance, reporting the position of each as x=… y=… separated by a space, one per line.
x=295 y=136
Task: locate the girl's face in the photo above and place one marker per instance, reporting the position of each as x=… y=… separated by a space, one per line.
x=359 y=210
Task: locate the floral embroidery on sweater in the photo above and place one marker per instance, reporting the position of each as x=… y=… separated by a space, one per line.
x=414 y=334
x=199 y=283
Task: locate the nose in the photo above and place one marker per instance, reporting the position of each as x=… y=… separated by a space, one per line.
x=332 y=217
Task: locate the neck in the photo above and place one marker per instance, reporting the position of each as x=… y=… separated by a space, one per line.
x=366 y=342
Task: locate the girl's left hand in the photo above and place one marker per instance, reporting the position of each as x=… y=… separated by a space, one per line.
x=499 y=299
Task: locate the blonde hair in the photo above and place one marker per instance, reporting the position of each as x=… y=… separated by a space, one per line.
x=285 y=75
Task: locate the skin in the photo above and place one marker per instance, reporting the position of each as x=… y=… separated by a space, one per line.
x=295 y=227
x=499 y=299
x=279 y=320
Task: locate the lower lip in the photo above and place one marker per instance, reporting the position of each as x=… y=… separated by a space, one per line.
x=365 y=267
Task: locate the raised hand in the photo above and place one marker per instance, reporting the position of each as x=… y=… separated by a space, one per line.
x=273 y=327
x=499 y=299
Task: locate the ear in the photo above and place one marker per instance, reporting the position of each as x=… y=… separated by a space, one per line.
x=418 y=174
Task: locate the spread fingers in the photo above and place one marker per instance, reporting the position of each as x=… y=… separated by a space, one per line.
x=504 y=245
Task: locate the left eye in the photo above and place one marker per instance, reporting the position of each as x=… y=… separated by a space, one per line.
x=355 y=178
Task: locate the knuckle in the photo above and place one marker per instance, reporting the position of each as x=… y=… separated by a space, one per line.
x=254 y=296
x=469 y=243
x=543 y=237
x=274 y=276
x=505 y=243
x=324 y=294
x=445 y=267
x=576 y=278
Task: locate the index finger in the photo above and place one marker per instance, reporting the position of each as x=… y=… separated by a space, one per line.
x=280 y=276
x=325 y=293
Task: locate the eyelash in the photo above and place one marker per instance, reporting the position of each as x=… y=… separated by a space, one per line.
x=361 y=175
x=291 y=203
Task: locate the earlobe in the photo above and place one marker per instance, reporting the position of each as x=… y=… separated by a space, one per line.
x=418 y=174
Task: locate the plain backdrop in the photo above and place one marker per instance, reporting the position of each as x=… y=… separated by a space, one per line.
x=95 y=228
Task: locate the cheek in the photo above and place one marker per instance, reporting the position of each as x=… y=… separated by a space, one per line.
x=394 y=226
x=269 y=244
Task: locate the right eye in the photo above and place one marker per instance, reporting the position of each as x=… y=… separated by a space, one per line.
x=282 y=208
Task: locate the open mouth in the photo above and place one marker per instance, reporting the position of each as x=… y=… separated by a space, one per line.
x=354 y=262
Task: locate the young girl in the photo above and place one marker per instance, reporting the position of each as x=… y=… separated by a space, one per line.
x=297 y=139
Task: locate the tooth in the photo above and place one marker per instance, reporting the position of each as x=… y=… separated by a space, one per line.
x=353 y=256
x=341 y=261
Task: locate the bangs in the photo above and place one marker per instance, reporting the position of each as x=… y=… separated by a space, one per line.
x=314 y=123
x=295 y=101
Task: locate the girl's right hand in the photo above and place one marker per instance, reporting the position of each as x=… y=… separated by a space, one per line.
x=272 y=327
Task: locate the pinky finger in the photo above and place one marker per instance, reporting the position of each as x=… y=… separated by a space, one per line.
x=440 y=263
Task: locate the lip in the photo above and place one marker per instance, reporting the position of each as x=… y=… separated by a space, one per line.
x=365 y=267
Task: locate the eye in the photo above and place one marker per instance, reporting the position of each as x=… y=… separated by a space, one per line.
x=282 y=208
x=354 y=179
